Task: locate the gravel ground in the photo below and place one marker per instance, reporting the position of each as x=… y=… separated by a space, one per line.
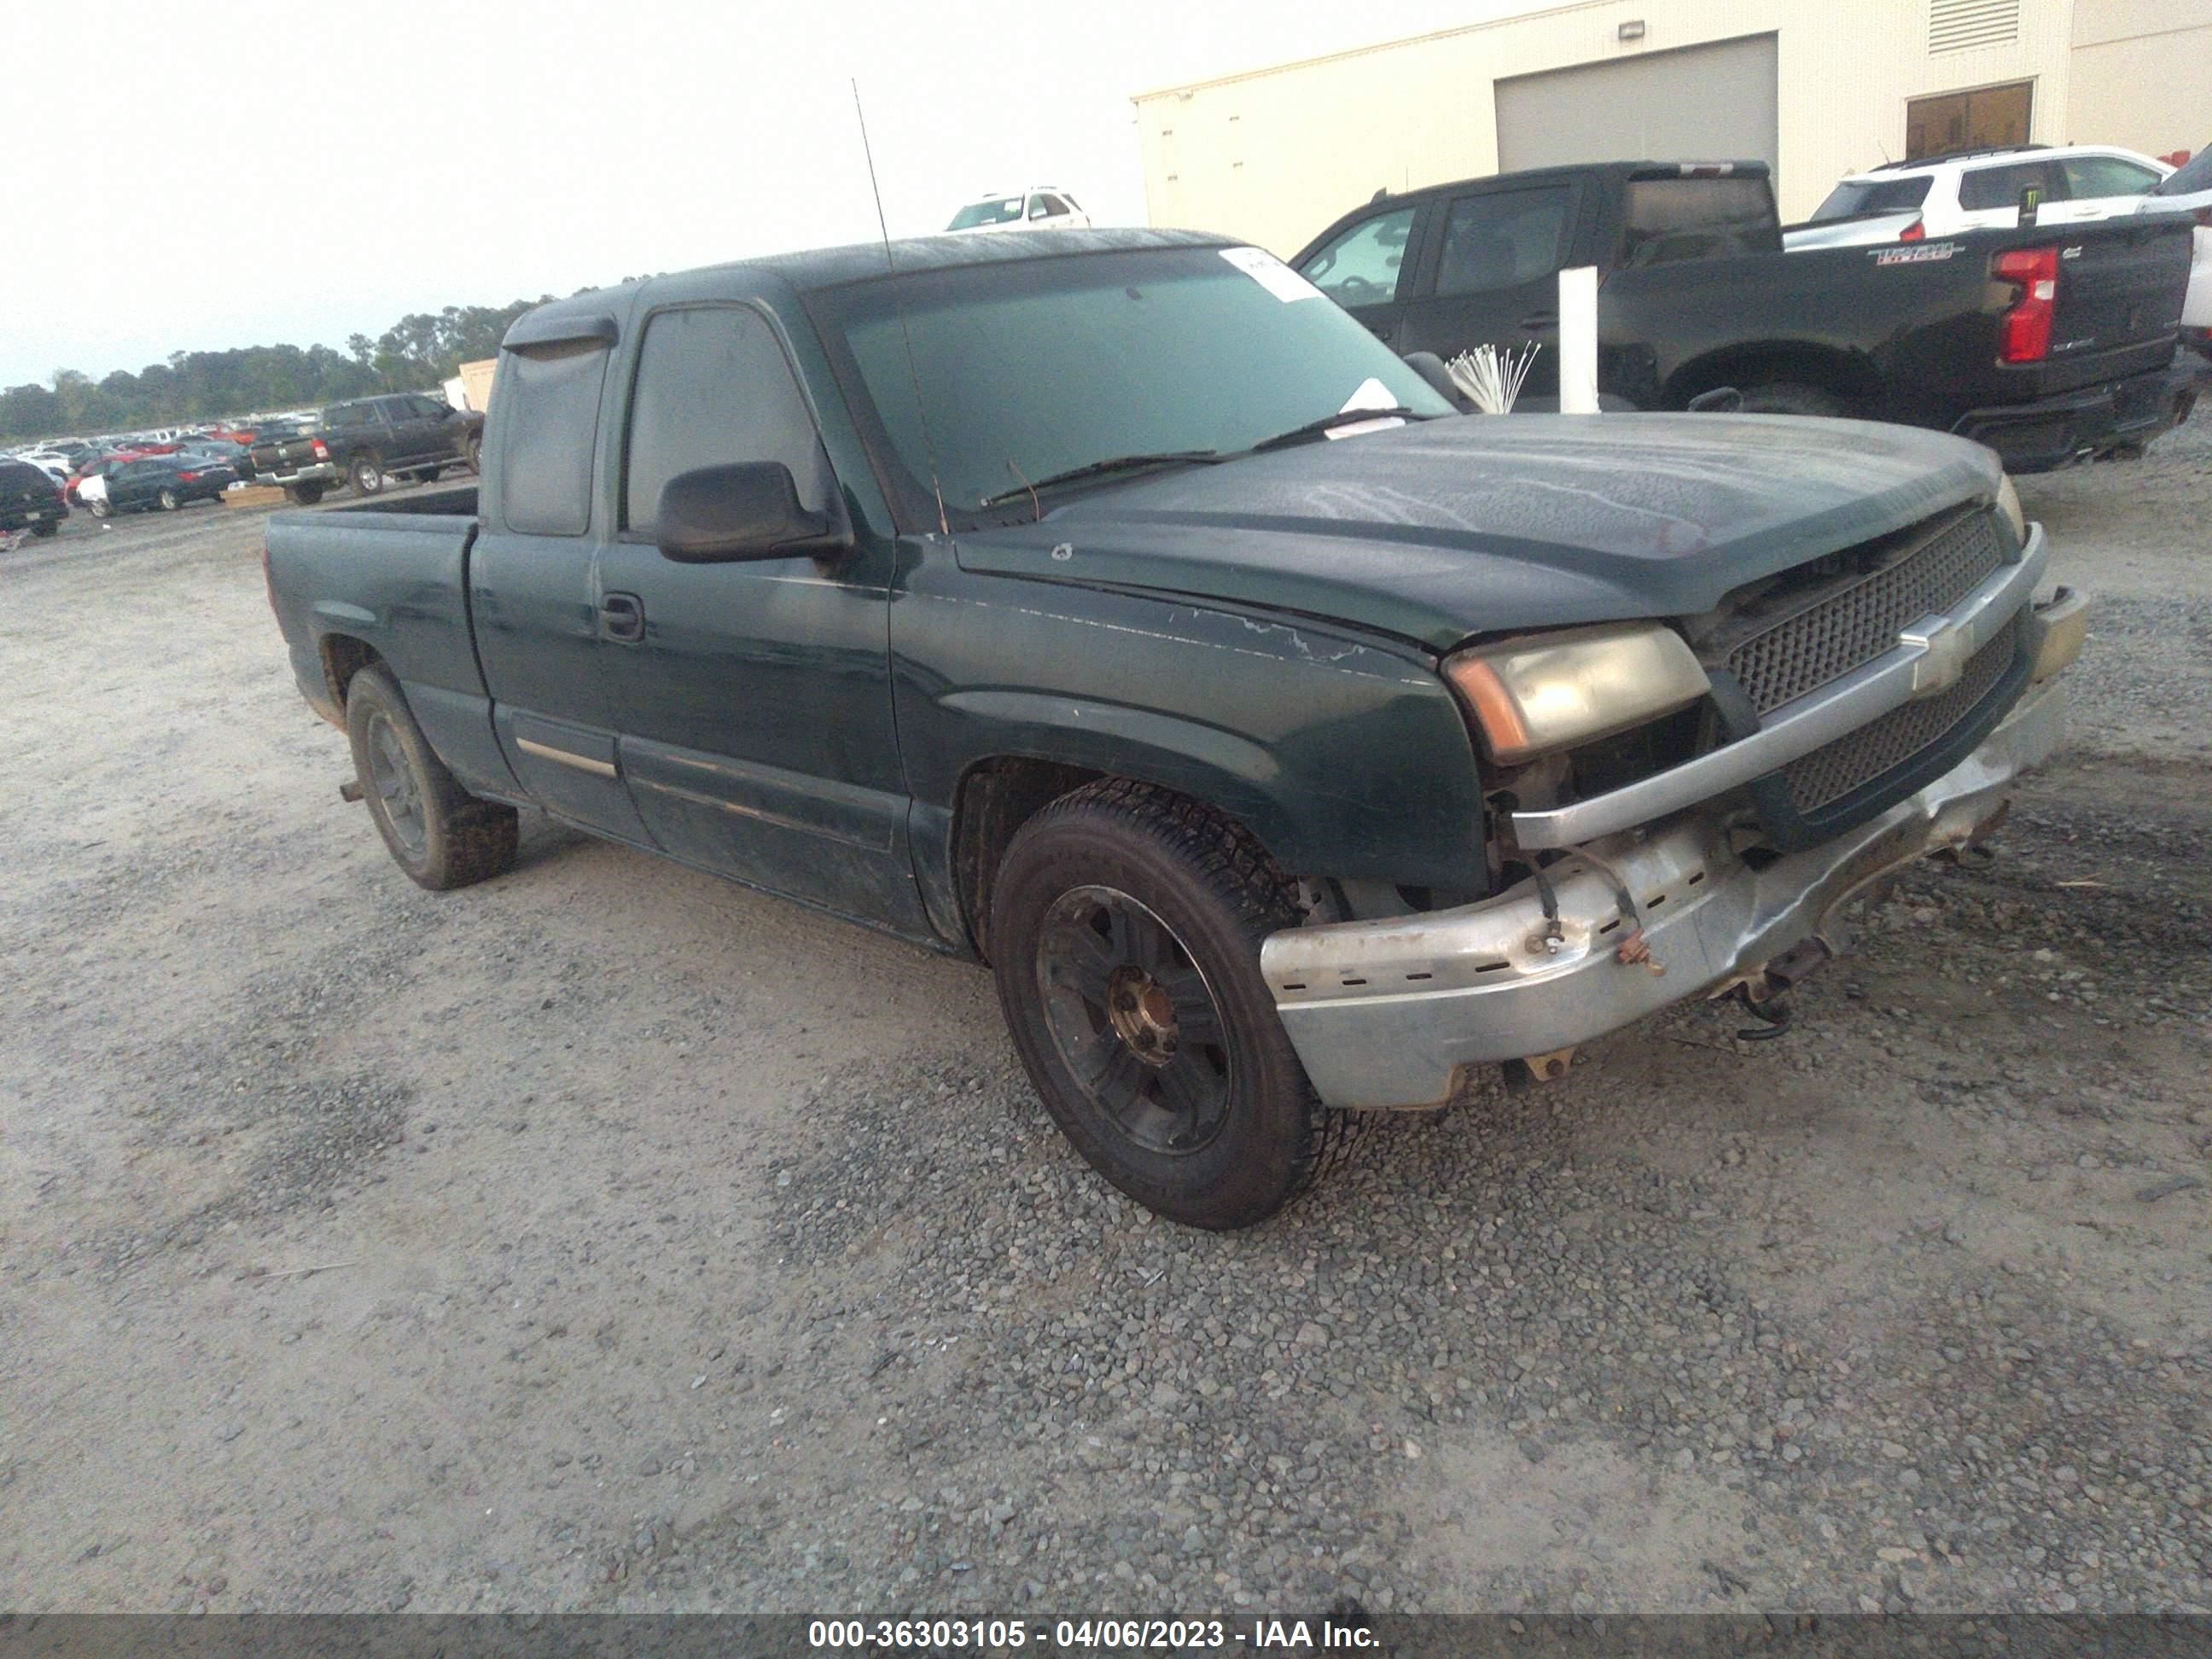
x=679 y=1250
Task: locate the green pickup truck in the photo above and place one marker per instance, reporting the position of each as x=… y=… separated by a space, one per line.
x=1111 y=608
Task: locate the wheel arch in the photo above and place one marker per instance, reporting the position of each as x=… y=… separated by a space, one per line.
x=1846 y=374
x=999 y=794
x=343 y=656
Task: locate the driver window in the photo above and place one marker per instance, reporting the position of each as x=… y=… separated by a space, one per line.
x=714 y=387
x=1361 y=266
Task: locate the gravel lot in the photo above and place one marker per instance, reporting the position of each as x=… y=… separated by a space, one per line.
x=680 y=1249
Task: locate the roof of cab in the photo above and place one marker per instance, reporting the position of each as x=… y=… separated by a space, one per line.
x=592 y=313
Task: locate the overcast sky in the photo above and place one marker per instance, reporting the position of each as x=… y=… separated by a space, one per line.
x=193 y=179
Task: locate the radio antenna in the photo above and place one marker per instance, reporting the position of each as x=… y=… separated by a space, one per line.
x=898 y=304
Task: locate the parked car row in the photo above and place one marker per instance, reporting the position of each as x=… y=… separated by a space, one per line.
x=361 y=443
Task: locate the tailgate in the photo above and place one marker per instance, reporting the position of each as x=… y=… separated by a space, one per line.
x=2120 y=288
x=286 y=457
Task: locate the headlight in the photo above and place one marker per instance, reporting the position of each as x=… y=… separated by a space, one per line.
x=1555 y=690
x=2009 y=504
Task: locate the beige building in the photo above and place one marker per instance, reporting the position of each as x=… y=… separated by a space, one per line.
x=1816 y=88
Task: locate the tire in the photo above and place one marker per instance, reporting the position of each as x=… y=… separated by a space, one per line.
x=1125 y=921
x=428 y=475
x=474 y=454
x=1789 y=398
x=440 y=834
x=43 y=531
x=97 y=509
x=305 y=495
x=167 y=500
x=366 y=476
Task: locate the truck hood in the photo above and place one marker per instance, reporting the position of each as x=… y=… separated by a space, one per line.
x=1440 y=530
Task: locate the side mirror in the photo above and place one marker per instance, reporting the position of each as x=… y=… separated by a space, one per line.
x=1430 y=367
x=749 y=510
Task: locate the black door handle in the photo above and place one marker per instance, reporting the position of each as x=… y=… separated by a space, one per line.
x=1539 y=319
x=621 y=616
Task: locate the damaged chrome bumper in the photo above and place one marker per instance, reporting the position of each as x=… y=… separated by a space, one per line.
x=1385 y=1013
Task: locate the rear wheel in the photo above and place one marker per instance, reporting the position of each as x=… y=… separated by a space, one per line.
x=1125 y=934
x=440 y=834
x=1790 y=398
x=366 y=476
x=306 y=494
x=98 y=507
x=474 y=454
x=167 y=500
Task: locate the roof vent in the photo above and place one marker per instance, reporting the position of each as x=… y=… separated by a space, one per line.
x=1958 y=25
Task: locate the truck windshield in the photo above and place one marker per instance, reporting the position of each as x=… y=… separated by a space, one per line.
x=1034 y=368
x=1856 y=197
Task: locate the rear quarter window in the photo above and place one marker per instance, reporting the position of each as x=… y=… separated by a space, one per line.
x=549 y=413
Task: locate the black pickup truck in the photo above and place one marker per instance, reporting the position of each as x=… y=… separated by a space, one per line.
x=2046 y=343
x=1109 y=607
x=367 y=440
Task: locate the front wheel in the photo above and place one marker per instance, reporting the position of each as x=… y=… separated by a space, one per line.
x=436 y=831
x=366 y=476
x=1125 y=933
x=474 y=455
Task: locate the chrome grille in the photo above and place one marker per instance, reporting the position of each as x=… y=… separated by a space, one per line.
x=1829 y=774
x=1843 y=631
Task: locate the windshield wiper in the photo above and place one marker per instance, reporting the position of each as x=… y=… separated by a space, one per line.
x=1342 y=417
x=1113 y=464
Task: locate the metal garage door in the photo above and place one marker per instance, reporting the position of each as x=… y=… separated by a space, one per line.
x=1700 y=103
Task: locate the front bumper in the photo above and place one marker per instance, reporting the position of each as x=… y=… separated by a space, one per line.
x=2051 y=432
x=1385 y=1013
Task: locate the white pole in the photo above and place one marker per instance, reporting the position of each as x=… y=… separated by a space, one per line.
x=1578 y=340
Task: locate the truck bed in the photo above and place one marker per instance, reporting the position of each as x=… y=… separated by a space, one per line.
x=403 y=568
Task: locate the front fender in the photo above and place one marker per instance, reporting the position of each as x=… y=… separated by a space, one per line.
x=1346 y=756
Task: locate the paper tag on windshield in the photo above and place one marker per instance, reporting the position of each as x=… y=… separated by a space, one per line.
x=1272 y=274
x=1371 y=394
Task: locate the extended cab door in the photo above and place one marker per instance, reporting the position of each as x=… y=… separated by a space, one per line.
x=754 y=697
x=531 y=600
x=1368 y=267
x=1491 y=276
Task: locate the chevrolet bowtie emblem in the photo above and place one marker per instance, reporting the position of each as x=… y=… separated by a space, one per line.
x=1944 y=649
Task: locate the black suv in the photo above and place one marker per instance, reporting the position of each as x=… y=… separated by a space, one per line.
x=29 y=499
x=368 y=439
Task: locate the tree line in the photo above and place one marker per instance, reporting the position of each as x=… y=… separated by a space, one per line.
x=414 y=354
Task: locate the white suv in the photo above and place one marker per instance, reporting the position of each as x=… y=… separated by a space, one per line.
x=1978 y=189
x=1041 y=207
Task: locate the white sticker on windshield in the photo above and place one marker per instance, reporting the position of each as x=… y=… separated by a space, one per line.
x=1272 y=274
x=1371 y=393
